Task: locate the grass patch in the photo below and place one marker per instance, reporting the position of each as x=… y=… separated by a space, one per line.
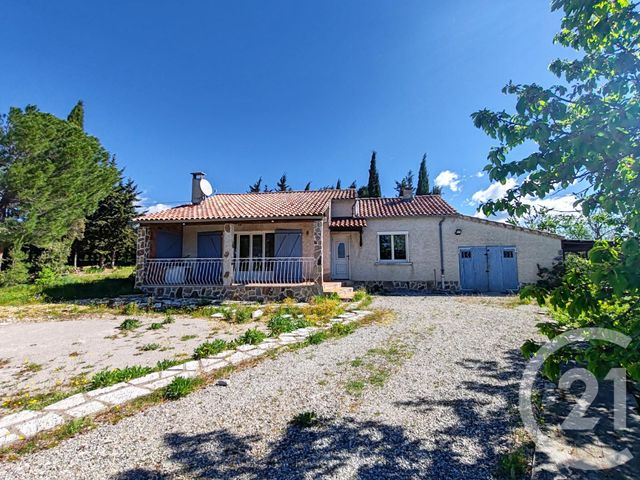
x=74 y=286
x=150 y=347
x=362 y=297
x=186 y=338
x=181 y=387
x=165 y=364
x=156 y=326
x=305 y=420
x=317 y=338
x=129 y=324
x=355 y=387
x=253 y=336
x=207 y=349
x=31 y=367
x=106 y=378
x=342 y=329
x=285 y=323
x=168 y=320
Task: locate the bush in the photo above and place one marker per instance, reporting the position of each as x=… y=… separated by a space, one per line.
x=253 y=336
x=106 y=378
x=46 y=277
x=316 y=338
x=156 y=326
x=180 y=387
x=130 y=324
x=305 y=420
x=283 y=324
x=342 y=329
x=166 y=364
x=208 y=349
x=131 y=309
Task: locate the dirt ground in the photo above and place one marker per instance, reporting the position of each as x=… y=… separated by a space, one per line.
x=38 y=356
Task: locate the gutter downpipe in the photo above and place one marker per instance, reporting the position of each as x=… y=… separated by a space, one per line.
x=441 y=252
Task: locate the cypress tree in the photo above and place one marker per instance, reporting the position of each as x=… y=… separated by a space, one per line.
x=307 y=187
x=338 y=185
x=373 y=187
x=76 y=115
x=256 y=186
x=282 y=184
x=423 y=177
x=353 y=185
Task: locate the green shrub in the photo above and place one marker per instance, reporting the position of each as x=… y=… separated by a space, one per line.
x=150 y=346
x=131 y=308
x=130 y=324
x=237 y=314
x=342 y=329
x=106 y=378
x=168 y=319
x=180 y=387
x=165 y=364
x=316 y=338
x=46 y=277
x=208 y=349
x=305 y=420
x=253 y=336
x=283 y=324
x=156 y=326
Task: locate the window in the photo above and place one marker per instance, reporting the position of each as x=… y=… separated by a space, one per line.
x=507 y=253
x=465 y=253
x=341 y=250
x=392 y=247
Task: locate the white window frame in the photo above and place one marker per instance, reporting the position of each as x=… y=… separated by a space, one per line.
x=251 y=234
x=393 y=251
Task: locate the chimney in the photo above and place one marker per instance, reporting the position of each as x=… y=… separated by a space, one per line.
x=197 y=195
x=407 y=193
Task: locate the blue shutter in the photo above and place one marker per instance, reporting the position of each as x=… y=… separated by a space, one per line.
x=288 y=243
x=168 y=244
x=210 y=245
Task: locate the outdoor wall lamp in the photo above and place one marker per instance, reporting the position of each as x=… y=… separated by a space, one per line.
x=458 y=231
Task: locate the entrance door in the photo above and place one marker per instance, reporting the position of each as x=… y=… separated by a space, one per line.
x=340 y=258
x=488 y=269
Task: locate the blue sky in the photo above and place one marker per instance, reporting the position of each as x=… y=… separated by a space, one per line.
x=252 y=88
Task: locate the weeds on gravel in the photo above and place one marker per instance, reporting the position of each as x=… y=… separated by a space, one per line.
x=156 y=326
x=106 y=378
x=516 y=464
x=238 y=314
x=186 y=338
x=149 y=347
x=285 y=323
x=362 y=297
x=129 y=324
x=317 y=337
x=132 y=309
x=168 y=319
x=208 y=349
x=165 y=364
x=355 y=387
x=305 y=420
x=253 y=336
x=181 y=386
x=342 y=329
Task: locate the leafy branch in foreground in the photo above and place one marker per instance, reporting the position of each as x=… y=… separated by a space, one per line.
x=587 y=133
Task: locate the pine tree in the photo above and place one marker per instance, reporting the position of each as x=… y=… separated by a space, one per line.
x=436 y=190
x=338 y=185
x=76 y=115
x=353 y=185
x=405 y=183
x=373 y=187
x=255 y=188
x=109 y=234
x=423 y=177
x=282 y=184
x=307 y=187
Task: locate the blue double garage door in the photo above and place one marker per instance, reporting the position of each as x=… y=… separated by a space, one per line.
x=488 y=269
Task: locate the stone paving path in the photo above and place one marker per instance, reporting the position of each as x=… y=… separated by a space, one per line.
x=28 y=423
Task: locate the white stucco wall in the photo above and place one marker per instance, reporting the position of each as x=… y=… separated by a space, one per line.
x=424 y=254
x=342 y=208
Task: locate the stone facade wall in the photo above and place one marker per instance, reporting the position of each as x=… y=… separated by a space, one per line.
x=143 y=251
x=248 y=293
x=380 y=286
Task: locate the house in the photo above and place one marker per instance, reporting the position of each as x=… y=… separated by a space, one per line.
x=262 y=246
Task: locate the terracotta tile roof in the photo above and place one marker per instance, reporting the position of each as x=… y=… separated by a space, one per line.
x=228 y=206
x=347 y=222
x=398 y=207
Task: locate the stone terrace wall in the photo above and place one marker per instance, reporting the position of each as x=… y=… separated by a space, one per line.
x=247 y=293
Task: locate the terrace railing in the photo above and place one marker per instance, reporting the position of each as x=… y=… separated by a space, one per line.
x=183 y=271
x=273 y=271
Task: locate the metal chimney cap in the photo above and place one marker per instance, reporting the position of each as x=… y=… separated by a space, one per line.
x=198 y=174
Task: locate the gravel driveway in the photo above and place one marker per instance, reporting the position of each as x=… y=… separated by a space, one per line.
x=431 y=394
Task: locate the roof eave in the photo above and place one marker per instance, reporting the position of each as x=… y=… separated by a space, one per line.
x=142 y=221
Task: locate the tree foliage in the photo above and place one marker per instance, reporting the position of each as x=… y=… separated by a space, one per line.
x=587 y=132
x=109 y=232
x=373 y=187
x=76 y=115
x=405 y=183
x=52 y=175
x=282 y=184
x=255 y=188
x=423 y=177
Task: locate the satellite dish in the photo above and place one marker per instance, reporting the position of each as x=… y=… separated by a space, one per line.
x=205 y=187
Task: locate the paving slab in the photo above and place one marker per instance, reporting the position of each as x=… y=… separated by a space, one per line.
x=15 y=418
x=123 y=395
x=67 y=403
x=88 y=408
x=40 y=424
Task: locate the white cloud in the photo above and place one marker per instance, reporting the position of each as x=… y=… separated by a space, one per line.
x=480 y=174
x=158 y=207
x=559 y=204
x=493 y=192
x=448 y=179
